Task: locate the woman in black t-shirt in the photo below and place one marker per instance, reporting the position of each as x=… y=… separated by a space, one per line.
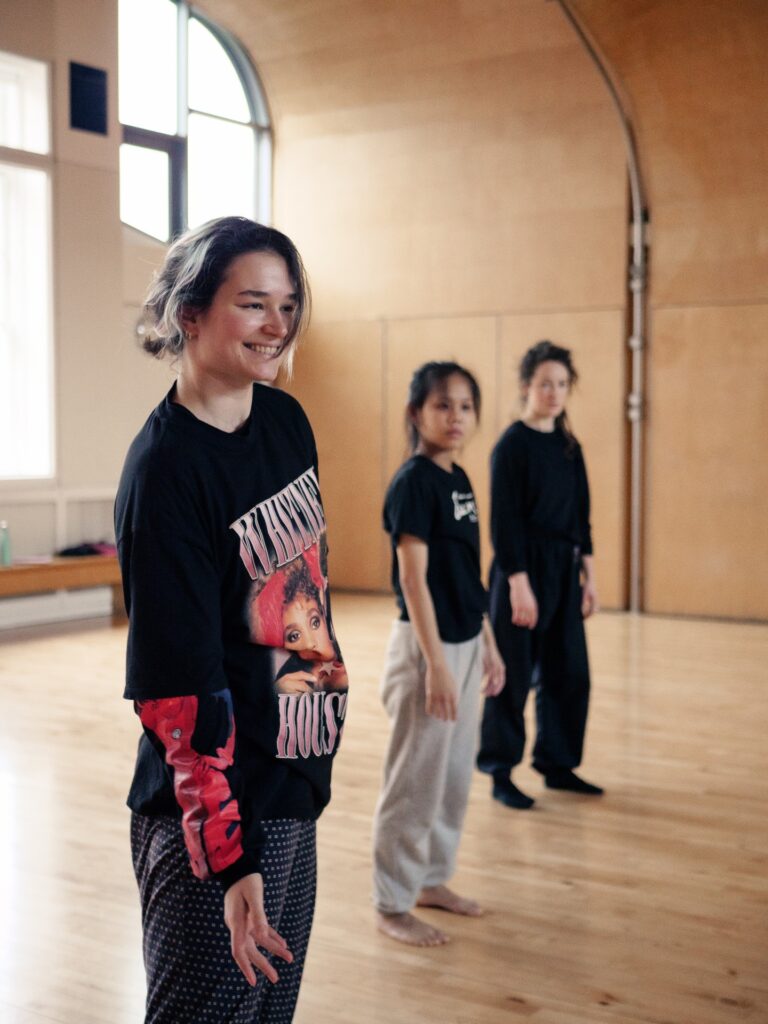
x=233 y=664
x=439 y=650
x=542 y=585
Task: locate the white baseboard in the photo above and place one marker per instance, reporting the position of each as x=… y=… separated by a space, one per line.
x=37 y=609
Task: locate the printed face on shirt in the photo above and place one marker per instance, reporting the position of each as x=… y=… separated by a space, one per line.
x=448 y=417
x=548 y=390
x=305 y=629
x=240 y=338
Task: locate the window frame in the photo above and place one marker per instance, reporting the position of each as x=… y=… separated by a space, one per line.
x=176 y=146
x=33 y=160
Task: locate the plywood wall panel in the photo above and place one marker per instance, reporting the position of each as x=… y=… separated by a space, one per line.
x=378 y=45
x=491 y=348
x=459 y=159
x=707 y=538
x=440 y=165
x=338 y=380
x=596 y=412
x=458 y=217
x=696 y=79
x=696 y=75
x=418 y=231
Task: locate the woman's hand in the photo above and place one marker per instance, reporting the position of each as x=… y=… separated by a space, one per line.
x=248 y=926
x=589 y=600
x=493 y=667
x=296 y=682
x=525 y=609
x=441 y=692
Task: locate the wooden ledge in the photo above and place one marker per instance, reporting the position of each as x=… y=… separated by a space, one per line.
x=65 y=574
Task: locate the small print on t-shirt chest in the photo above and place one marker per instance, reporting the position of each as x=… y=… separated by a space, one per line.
x=464 y=506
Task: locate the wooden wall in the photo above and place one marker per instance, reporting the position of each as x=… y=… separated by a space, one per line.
x=454 y=176
x=696 y=75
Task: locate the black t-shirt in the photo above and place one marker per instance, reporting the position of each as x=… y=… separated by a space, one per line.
x=539 y=492
x=439 y=508
x=222 y=546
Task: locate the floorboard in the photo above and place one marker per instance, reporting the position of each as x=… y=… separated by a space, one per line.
x=648 y=906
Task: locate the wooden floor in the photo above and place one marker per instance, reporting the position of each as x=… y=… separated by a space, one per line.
x=649 y=905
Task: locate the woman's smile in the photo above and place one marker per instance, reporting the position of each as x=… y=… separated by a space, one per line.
x=261 y=349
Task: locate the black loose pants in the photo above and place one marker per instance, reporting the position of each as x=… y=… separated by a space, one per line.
x=552 y=657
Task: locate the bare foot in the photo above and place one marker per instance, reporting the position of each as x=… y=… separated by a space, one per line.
x=409 y=929
x=443 y=898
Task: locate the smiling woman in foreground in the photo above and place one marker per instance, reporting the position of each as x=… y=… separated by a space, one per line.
x=218 y=512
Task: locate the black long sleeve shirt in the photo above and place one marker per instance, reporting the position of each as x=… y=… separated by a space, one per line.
x=539 y=491
x=221 y=539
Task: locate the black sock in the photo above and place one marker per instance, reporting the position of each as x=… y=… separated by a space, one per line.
x=565 y=778
x=506 y=792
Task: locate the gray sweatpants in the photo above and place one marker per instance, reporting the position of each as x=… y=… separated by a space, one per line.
x=427 y=772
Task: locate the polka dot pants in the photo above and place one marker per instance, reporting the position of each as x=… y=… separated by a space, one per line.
x=191 y=976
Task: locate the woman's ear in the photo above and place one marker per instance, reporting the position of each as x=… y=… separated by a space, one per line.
x=188 y=321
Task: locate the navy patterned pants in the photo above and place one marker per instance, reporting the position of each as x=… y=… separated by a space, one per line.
x=191 y=976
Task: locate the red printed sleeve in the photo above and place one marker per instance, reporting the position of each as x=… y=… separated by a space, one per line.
x=196 y=737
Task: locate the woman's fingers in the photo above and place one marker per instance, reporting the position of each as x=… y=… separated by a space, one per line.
x=296 y=682
x=448 y=707
x=442 y=706
x=245 y=955
x=249 y=957
x=495 y=680
x=275 y=943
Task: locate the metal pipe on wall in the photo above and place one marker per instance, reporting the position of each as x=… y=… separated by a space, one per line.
x=637 y=283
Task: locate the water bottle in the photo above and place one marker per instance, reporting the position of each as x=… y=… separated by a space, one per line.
x=5 y=543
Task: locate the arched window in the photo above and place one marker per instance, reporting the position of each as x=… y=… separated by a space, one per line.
x=196 y=134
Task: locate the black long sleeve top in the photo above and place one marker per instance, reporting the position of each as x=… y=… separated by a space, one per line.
x=221 y=539
x=539 y=491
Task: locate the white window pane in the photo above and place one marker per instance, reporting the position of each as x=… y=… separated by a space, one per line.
x=214 y=85
x=26 y=413
x=23 y=103
x=221 y=172
x=144 y=190
x=148 y=64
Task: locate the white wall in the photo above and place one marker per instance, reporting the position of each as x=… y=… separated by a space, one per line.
x=104 y=385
